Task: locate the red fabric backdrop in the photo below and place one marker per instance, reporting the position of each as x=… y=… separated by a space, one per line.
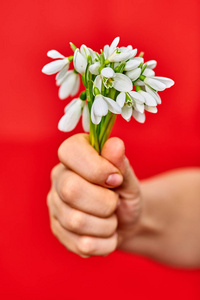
x=33 y=264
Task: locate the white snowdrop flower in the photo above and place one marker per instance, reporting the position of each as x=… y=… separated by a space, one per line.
x=158 y=83
x=167 y=81
x=149 y=99
x=94 y=68
x=114 y=54
x=132 y=68
x=130 y=101
x=118 y=55
x=69 y=85
x=155 y=84
x=133 y=63
x=120 y=82
x=80 y=61
x=101 y=106
x=108 y=50
x=153 y=93
x=135 y=96
x=80 y=58
x=72 y=115
x=60 y=64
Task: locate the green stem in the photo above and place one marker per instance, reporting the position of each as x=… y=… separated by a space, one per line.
x=107 y=131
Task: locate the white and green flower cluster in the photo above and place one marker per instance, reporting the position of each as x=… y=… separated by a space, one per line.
x=116 y=82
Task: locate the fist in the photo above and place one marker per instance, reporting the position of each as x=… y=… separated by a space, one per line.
x=95 y=200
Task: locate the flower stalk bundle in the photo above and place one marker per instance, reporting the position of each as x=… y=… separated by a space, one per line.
x=116 y=81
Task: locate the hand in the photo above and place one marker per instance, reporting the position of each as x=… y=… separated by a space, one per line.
x=95 y=201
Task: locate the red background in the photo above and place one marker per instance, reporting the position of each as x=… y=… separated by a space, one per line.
x=33 y=264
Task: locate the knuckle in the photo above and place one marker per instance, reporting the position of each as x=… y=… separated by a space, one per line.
x=54 y=172
x=111 y=205
x=86 y=245
x=76 y=221
x=61 y=150
x=114 y=224
x=68 y=189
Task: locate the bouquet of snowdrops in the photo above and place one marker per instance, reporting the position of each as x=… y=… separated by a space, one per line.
x=116 y=81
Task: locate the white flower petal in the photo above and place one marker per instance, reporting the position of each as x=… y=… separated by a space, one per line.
x=126 y=112
x=136 y=96
x=134 y=74
x=53 y=67
x=85 y=51
x=80 y=62
x=167 y=81
x=121 y=99
x=152 y=109
x=139 y=107
x=153 y=93
x=69 y=86
x=93 y=54
x=138 y=116
x=114 y=44
x=139 y=82
x=100 y=106
x=62 y=73
x=123 y=49
x=151 y=64
x=69 y=121
x=140 y=59
x=76 y=85
x=155 y=84
x=95 y=119
x=54 y=54
x=112 y=106
x=94 y=68
x=85 y=118
x=106 y=51
x=68 y=106
x=149 y=99
x=123 y=56
x=98 y=82
x=62 y=79
x=148 y=72
x=132 y=64
x=107 y=72
x=122 y=83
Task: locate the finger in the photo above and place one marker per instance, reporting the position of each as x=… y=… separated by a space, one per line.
x=85 y=196
x=84 y=245
x=81 y=223
x=77 y=154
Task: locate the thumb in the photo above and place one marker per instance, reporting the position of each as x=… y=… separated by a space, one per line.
x=114 y=151
x=129 y=191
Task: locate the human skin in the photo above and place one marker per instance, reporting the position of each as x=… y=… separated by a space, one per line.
x=97 y=204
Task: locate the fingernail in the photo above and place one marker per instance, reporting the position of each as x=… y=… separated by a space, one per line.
x=114 y=179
